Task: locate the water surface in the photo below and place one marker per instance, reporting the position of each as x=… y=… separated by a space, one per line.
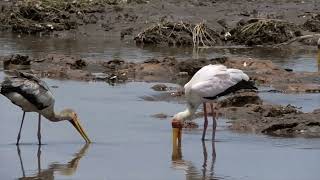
x=106 y=48
x=130 y=144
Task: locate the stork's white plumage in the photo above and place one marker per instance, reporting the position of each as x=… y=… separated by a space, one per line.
x=208 y=84
x=33 y=95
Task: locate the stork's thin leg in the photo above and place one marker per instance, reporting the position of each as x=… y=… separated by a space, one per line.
x=19 y=135
x=205 y=125
x=214 y=122
x=39 y=129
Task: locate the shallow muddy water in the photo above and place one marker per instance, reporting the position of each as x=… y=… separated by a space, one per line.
x=111 y=47
x=130 y=144
x=305 y=102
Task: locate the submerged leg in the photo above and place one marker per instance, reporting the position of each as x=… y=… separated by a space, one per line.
x=20 y=159
x=213 y=159
x=19 y=135
x=205 y=125
x=205 y=157
x=39 y=159
x=214 y=122
x=39 y=130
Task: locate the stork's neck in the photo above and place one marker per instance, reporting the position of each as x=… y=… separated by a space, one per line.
x=57 y=116
x=61 y=117
x=186 y=114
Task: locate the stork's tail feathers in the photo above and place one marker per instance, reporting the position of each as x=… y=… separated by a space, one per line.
x=4 y=85
x=0 y=88
x=243 y=84
x=248 y=85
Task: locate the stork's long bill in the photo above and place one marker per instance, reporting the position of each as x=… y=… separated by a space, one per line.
x=176 y=131
x=77 y=125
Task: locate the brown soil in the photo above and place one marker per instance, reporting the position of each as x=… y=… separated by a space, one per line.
x=264 y=31
x=127 y=20
x=179 y=34
x=274 y=120
x=313 y=24
x=168 y=69
x=17 y=60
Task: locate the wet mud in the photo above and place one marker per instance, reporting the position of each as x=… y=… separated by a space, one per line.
x=276 y=120
x=166 y=23
x=168 y=69
x=179 y=34
x=263 y=32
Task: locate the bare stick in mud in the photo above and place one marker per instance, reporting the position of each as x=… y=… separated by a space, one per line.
x=297 y=39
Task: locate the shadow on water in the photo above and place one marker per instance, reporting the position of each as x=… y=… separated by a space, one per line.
x=67 y=169
x=191 y=170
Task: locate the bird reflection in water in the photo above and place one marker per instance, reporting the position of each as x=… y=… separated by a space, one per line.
x=192 y=172
x=67 y=169
x=318 y=58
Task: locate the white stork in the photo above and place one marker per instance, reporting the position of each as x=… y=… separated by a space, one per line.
x=33 y=95
x=208 y=84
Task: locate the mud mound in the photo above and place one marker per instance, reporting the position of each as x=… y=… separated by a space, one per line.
x=313 y=24
x=240 y=99
x=16 y=61
x=179 y=34
x=274 y=120
x=264 y=32
x=32 y=16
x=191 y=66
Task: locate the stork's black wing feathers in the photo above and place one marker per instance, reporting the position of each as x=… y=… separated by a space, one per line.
x=30 y=87
x=240 y=85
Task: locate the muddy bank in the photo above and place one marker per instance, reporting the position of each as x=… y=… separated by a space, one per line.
x=44 y=16
x=167 y=69
x=248 y=113
x=263 y=32
x=263 y=72
x=227 y=22
x=274 y=120
x=179 y=34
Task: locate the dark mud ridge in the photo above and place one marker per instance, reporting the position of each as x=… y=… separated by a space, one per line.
x=251 y=32
x=274 y=120
x=179 y=34
x=248 y=113
x=168 y=69
x=166 y=23
x=44 y=16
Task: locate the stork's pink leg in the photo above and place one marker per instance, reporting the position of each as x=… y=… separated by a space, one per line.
x=214 y=122
x=205 y=125
x=19 y=135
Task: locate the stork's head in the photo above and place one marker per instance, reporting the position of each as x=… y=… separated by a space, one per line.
x=177 y=122
x=72 y=117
